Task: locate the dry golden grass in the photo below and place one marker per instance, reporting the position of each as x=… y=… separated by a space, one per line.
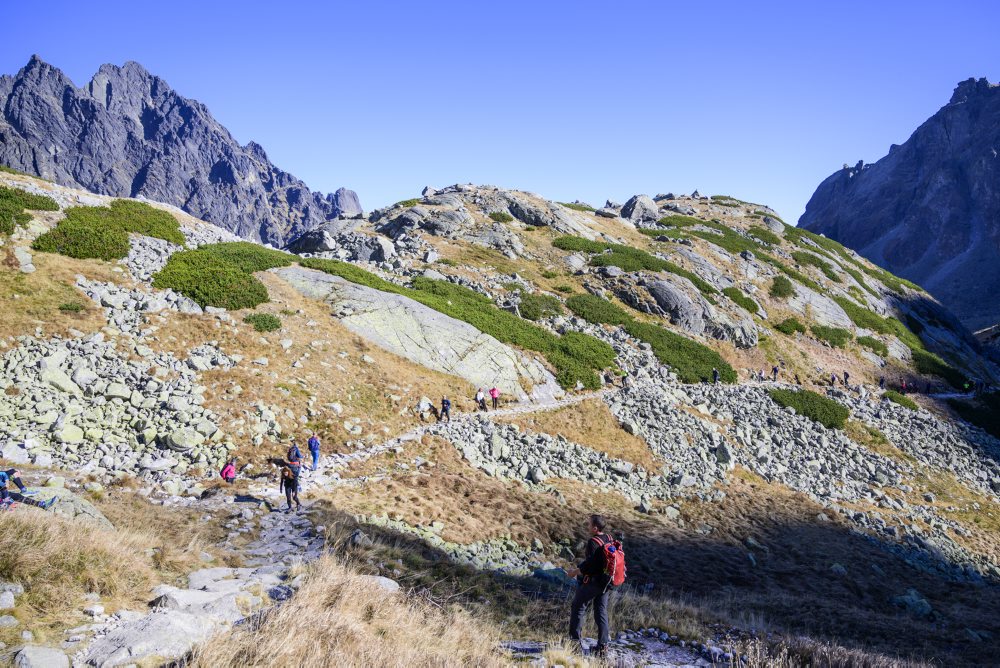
x=875 y=441
x=592 y=424
x=341 y=618
x=58 y=561
x=32 y=300
x=331 y=371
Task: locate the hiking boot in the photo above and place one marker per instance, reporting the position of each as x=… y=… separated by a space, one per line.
x=298 y=508
x=29 y=492
x=48 y=504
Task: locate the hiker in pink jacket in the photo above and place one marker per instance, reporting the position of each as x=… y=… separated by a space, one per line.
x=495 y=396
x=228 y=471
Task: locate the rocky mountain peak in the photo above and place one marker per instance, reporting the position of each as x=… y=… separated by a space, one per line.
x=127 y=133
x=930 y=209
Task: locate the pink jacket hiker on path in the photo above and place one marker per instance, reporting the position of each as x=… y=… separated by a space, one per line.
x=495 y=396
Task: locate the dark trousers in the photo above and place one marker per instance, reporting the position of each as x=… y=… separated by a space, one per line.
x=16 y=497
x=292 y=491
x=585 y=595
x=496 y=402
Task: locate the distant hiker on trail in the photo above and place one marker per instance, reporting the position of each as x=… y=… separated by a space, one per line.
x=774 y=374
x=833 y=379
x=881 y=382
x=7 y=500
x=603 y=568
x=314 y=450
x=495 y=396
x=481 y=399
x=847 y=378
x=903 y=387
x=293 y=453
x=445 y=409
x=798 y=381
x=715 y=375
x=228 y=471
x=290 y=472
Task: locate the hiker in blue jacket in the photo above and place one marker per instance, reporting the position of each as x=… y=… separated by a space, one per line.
x=314 y=450
x=445 y=410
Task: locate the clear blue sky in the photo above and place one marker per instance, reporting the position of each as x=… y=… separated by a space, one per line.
x=588 y=100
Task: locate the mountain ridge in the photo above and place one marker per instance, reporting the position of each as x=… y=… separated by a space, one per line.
x=127 y=133
x=927 y=210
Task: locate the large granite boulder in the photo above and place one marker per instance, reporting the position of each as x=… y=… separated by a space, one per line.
x=641 y=209
x=421 y=334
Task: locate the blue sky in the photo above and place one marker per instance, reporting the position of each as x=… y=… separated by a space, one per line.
x=572 y=100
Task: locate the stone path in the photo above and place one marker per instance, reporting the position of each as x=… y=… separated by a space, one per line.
x=644 y=649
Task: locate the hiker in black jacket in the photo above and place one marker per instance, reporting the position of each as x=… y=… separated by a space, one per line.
x=594 y=586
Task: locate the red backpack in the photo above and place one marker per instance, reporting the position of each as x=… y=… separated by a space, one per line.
x=614 y=559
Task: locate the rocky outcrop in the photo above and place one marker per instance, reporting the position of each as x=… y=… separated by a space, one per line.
x=126 y=133
x=929 y=210
x=422 y=335
x=340 y=240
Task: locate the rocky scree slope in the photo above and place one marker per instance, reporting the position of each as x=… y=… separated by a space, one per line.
x=126 y=133
x=651 y=273
x=929 y=210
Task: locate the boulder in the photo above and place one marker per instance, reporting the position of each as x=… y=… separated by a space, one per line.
x=388 y=585
x=166 y=634
x=641 y=209
x=678 y=306
x=184 y=439
x=421 y=334
x=59 y=380
x=35 y=656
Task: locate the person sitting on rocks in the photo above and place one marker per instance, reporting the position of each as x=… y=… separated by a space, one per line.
x=228 y=471
x=481 y=399
x=594 y=586
x=445 y=409
x=7 y=499
x=290 y=472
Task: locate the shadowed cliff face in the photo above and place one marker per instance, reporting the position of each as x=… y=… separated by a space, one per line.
x=128 y=134
x=929 y=210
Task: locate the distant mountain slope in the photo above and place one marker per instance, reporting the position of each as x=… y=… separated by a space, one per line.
x=929 y=210
x=128 y=134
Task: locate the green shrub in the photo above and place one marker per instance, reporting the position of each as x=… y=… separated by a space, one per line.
x=565 y=289
x=579 y=245
x=835 y=336
x=900 y=399
x=448 y=262
x=628 y=259
x=669 y=232
x=263 y=322
x=863 y=317
x=908 y=338
x=874 y=345
x=680 y=221
x=537 y=306
x=692 y=361
x=83 y=240
x=71 y=307
x=550 y=274
x=571 y=356
x=788 y=271
x=805 y=258
x=102 y=232
x=726 y=238
x=11 y=170
x=501 y=217
x=765 y=235
x=928 y=363
x=407 y=203
x=762 y=213
x=14 y=202
x=781 y=288
x=576 y=206
x=789 y=326
x=814 y=406
x=741 y=299
x=596 y=310
x=984 y=413
x=221 y=274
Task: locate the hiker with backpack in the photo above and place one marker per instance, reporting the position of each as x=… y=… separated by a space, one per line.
x=445 y=410
x=7 y=500
x=290 y=472
x=314 y=450
x=228 y=471
x=602 y=568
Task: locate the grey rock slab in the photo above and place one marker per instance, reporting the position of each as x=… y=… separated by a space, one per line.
x=166 y=634
x=421 y=334
x=36 y=656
